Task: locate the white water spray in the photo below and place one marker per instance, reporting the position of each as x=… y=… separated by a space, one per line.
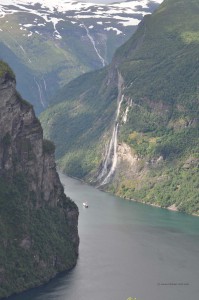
x=125 y=115
x=113 y=158
x=110 y=161
x=107 y=161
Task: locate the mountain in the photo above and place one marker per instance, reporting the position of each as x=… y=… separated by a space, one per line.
x=38 y=223
x=132 y=128
x=49 y=43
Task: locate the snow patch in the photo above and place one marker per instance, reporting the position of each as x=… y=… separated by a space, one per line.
x=114 y=29
x=51 y=9
x=28 y=25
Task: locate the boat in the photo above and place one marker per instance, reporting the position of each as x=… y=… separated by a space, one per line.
x=85 y=204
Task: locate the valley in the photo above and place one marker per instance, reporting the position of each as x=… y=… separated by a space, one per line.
x=48 y=44
x=115 y=89
x=157 y=125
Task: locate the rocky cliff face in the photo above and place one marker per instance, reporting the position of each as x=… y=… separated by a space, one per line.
x=39 y=234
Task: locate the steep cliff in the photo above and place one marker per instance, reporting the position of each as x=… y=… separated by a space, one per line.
x=38 y=223
x=139 y=136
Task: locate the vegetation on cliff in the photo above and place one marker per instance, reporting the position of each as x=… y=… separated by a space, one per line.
x=38 y=222
x=76 y=127
x=5 y=69
x=160 y=68
x=35 y=242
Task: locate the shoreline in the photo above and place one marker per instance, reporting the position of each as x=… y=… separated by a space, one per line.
x=172 y=207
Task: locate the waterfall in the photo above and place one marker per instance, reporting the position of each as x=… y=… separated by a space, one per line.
x=25 y=53
x=110 y=161
x=44 y=81
x=124 y=118
x=40 y=93
x=20 y=46
x=107 y=161
x=125 y=115
x=93 y=43
x=114 y=156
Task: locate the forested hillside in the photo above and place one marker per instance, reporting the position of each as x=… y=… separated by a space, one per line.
x=139 y=138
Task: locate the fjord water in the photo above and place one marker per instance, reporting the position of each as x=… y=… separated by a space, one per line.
x=127 y=249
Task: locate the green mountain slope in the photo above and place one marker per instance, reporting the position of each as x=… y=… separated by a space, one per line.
x=77 y=125
x=47 y=63
x=156 y=154
x=49 y=44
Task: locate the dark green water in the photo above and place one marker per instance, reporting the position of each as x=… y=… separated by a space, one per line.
x=127 y=249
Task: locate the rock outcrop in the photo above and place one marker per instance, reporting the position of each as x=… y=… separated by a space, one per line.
x=38 y=235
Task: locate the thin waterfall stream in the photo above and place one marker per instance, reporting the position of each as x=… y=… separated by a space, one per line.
x=110 y=161
x=94 y=46
x=40 y=93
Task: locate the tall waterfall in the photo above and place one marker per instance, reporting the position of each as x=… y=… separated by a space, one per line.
x=110 y=160
x=41 y=97
x=125 y=115
x=44 y=82
x=20 y=46
x=94 y=45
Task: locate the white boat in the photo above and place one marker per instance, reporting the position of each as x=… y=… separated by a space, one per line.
x=85 y=204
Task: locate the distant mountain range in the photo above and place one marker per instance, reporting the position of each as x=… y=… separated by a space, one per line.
x=132 y=128
x=48 y=43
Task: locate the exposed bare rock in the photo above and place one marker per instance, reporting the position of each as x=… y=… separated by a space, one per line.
x=38 y=223
x=173 y=207
x=190 y=162
x=125 y=154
